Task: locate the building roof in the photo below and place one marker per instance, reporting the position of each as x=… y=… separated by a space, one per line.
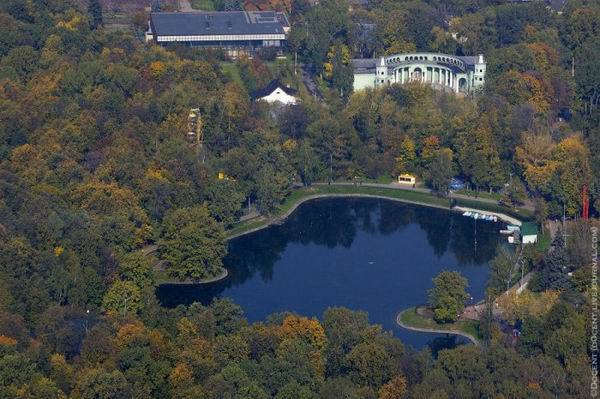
x=469 y=59
x=368 y=65
x=529 y=229
x=218 y=23
x=270 y=88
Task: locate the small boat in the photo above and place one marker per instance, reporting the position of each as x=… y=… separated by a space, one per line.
x=513 y=228
x=467 y=213
x=476 y=215
x=506 y=231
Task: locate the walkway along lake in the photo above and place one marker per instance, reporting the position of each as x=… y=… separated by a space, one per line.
x=364 y=254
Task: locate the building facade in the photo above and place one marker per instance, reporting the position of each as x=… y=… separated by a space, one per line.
x=233 y=31
x=275 y=92
x=441 y=71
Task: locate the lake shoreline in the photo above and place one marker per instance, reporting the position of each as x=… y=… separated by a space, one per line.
x=378 y=193
x=464 y=334
x=223 y=275
x=266 y=222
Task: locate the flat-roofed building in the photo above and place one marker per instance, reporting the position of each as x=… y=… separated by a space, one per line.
x=234 y=31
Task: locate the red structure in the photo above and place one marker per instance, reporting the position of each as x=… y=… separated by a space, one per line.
x=585 y=199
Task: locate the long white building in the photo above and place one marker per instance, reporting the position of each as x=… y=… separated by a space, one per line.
x=441 y=71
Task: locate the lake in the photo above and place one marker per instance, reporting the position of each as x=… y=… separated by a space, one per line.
x=360 y=253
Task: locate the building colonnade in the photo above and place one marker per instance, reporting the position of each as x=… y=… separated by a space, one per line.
x=427 y=74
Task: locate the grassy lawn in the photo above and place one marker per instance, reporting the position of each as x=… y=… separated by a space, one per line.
x=480 y=194
x=232 y=70
x=543 y=242
x=204 y=5
x=410 y=318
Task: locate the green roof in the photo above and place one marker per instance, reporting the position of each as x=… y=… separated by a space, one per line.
x=529 y=229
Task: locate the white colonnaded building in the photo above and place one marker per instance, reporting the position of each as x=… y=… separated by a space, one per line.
x=458 y=74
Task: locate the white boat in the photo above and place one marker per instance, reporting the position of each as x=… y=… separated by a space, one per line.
x=467 y=213
x=506 y=231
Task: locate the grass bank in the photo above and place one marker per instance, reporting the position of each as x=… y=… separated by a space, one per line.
x=162 y=277
x=204 y=5
x=411 y=320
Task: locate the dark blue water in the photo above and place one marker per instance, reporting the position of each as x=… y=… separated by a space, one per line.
x=364 y=254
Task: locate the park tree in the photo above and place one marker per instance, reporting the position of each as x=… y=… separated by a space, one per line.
x=193 y=244
x=271 y=188
x=335 y=388
x=308 y=164
x=228 y=316
x=475 y=32
x=514 y=194
x=137 y=267
x=22 y=60
x=225 y=201
x=339 y=70
x=572 y=173
x=370 y=364
x=293 y=390
x=478 y=157
x=554 y=268
x=308 y=330
x=440 y=170
x=587 y=76
x=101 y=384
x=396 y=388
x=405 y=162
x=534 y=155
x=95 y=12
x=580 y=27
x=321 y=26
x=448 y=295
x=123 y=297
x=523 y=87
x=504 y=266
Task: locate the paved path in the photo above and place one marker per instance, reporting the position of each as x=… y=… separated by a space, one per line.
x=397 y=186
x=471 y=338
x=310 y=84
